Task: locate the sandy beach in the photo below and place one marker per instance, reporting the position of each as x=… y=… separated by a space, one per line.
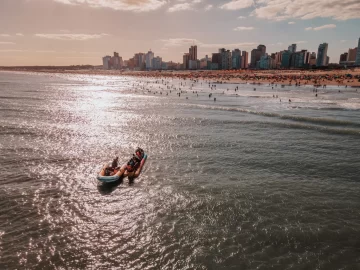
x=318 y=78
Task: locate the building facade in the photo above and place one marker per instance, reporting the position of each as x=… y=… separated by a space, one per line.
x=312 y=60
x=244 y=59
x=186 y=59
x=262 y=49
x=148 y=59
x=193 y=64
x=357 y=60
x=343 y=57
x=352 y=54
x=107 y=62
x=226 y=62
x=292 y=48
x=236 y=59
x=322 y=55
x=216 y=59
x=157 y=63
x=285 y=61
x=193 y=52
x=255 y=57
x=139 y=59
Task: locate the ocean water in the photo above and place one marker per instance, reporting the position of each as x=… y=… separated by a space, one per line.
x=243 y=182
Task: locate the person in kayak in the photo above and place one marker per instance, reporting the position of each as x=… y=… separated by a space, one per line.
x=135 y=164
x=112 y=170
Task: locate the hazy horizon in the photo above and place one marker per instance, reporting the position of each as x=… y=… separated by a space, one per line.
x=71 y=32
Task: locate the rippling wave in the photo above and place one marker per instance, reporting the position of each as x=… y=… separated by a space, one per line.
x=237 y=184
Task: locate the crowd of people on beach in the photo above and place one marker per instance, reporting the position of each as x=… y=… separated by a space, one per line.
x=316 y=78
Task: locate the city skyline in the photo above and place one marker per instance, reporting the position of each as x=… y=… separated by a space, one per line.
x=94 y=28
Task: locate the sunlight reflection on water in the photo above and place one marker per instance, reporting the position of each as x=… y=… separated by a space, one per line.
x=237 y=183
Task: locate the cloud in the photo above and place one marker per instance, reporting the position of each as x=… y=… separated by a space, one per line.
x=309 y=9
x=6 y=42
x=208 y=7
x=326 y=26
x=177 y=42
x=237 y=4
x=300 y=42
x=184 y=42
x=4 y=35
x=125 y=5
x=241 y=17
x=19 y=34
x=243 y=28
x=291 y=22
x=180 y=7
x=71 y=36
x=343 y=40
x=187 y=6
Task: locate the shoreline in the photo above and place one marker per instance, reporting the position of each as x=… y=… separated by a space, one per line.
x=318 y=78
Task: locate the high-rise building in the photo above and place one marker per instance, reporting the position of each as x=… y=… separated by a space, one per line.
x=236 y=59
x=292 y=48
x=278 y=59
x=262 y=48
x=116 y=61
x=107 y=62
x=157 y=63
x=244 y=59
x=357 y=60
x=216 y=61
x=285 y=61
x=193 y=64
x=312 y=61
x=148 y=59
x=193 y=52
x=307 y=58
x=186 y=59
x=255 y=57
x=226 y=62
x=343 y=57
x=321 y=55
x=327 y=61
x=139 y=59
x=352 y=54
x=266 y=62
x=131 y=63
x=298 y=59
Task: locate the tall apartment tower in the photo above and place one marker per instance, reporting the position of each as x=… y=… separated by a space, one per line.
x=352 y=54
x=149 y=59
x=186 y=59
x=262 y=48
x=244 y=59
x=322 y=55
x=193 y=52
x=236 y=59
x=292 y=48
x=343 y=57
x=357 y=60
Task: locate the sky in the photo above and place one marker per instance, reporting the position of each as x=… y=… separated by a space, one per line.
x=71 y=32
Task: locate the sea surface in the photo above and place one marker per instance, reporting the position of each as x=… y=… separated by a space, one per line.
x=243 y=182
